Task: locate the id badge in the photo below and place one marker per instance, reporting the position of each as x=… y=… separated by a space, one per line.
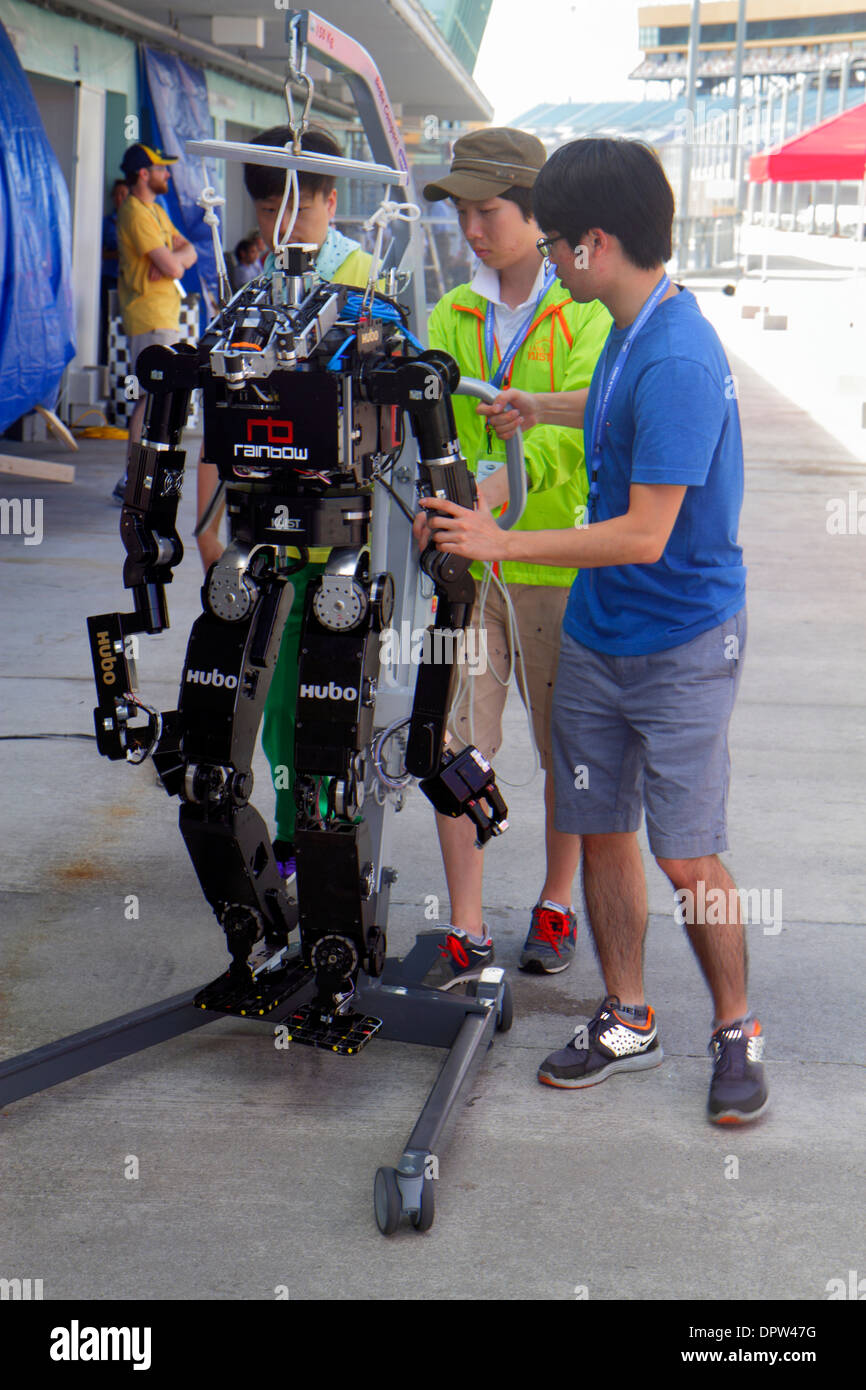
x=486 y=466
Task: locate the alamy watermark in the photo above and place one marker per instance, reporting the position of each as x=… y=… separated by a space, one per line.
x=847 y=516
x=22 y=516
x=716 y=907
x=425 y=646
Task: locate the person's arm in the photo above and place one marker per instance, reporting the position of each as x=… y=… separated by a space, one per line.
x=679 y=412
x=526 y=409
x=554 y=419
x=210 y=547
x=172 y=264
x=636 y=538
x=184 y=249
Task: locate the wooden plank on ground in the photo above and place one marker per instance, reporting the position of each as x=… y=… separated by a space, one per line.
x=57 y=427
x=37 y=468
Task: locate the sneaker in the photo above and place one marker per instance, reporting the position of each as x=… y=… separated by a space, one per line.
x=606 y=1044
x=284 y=853
x=738 y=1091
x=460 y=958
x=119 y=491
x=550 y=945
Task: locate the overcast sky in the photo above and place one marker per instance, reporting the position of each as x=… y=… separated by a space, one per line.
x=558 y=50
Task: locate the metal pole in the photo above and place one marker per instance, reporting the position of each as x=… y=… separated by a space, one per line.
x=691 y=103
x=801 y=104
x=822 y=91
x=737 y=150
x=844 y=76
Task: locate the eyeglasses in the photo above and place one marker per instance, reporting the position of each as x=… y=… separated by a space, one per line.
x=546 y=243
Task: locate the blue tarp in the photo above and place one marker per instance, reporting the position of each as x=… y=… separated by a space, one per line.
x=37 y=313
x=175 y=95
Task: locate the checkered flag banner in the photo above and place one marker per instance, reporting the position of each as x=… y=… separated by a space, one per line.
x=121 y=368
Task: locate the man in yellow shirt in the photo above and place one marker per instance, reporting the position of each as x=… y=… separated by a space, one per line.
x=152 y=256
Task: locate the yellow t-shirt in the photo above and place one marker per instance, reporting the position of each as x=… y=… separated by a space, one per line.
x=145 y=304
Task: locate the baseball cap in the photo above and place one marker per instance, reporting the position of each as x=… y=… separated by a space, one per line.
x=488 y=162
x=143 y=157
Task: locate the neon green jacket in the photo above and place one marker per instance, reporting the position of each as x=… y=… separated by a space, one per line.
x=559 y=354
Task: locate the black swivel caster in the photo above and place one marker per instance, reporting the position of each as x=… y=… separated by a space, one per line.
x=387 y=1201
x=505 y=1016
x=422 y=1220
x=506 y=1010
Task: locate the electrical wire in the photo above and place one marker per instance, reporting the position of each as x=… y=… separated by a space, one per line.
x=209 y=200
x=517 y=664
x=387 y=779
x=290 y=186
x=103 y=431
x=410 y=516
x=10 y=738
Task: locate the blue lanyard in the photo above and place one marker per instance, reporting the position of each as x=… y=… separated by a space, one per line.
x=602 y=407
x=519 y=338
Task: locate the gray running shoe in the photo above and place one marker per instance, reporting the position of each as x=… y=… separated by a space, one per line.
x=549 y=948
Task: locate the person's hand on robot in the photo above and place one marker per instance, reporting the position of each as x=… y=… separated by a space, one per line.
x=460 y=531
x=512 y=410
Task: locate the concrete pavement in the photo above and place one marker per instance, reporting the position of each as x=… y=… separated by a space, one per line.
x=255 y=1167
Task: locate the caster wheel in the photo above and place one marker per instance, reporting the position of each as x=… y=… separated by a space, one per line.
x=422 y=1220
x=506 y=1012
x=387 y=1201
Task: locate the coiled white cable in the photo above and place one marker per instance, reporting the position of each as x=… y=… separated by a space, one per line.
x=210 y=200
x=289 y=187
x=386 y=213
x=394 y=784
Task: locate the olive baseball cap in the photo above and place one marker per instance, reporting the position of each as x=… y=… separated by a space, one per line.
x=488 y=162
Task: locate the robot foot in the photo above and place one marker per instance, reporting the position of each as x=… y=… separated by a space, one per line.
x=254 y=993
x=345 y=1033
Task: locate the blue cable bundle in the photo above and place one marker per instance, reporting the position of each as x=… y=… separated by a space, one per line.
x=379 y=309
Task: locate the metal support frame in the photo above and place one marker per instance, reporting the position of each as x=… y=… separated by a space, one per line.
x=411 y=1012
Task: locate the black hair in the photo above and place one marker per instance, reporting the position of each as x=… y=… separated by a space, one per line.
x=617 y=185
x=119 y=183
x=523 y=198
x=244 y=244
x=268 y=181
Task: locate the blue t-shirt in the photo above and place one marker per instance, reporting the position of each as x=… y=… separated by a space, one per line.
x=673 y=419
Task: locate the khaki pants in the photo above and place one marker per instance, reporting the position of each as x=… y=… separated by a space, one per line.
x=476 y=715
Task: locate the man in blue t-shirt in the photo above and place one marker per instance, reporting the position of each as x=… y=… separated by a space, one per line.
x=655 y=628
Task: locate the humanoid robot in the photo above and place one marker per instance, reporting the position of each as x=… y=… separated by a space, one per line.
x=307 y=392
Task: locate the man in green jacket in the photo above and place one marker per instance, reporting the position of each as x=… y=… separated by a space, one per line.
x=513 y=325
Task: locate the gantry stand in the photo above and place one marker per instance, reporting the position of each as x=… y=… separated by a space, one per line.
x=411 y=1012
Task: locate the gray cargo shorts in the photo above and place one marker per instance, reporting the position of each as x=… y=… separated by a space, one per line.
x=164 y=337
x=648 y=732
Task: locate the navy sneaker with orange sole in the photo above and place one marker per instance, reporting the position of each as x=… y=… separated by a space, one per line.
x=738 y=1090
x=608 y=1043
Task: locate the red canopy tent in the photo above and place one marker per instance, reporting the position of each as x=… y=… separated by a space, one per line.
x=833 y=151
